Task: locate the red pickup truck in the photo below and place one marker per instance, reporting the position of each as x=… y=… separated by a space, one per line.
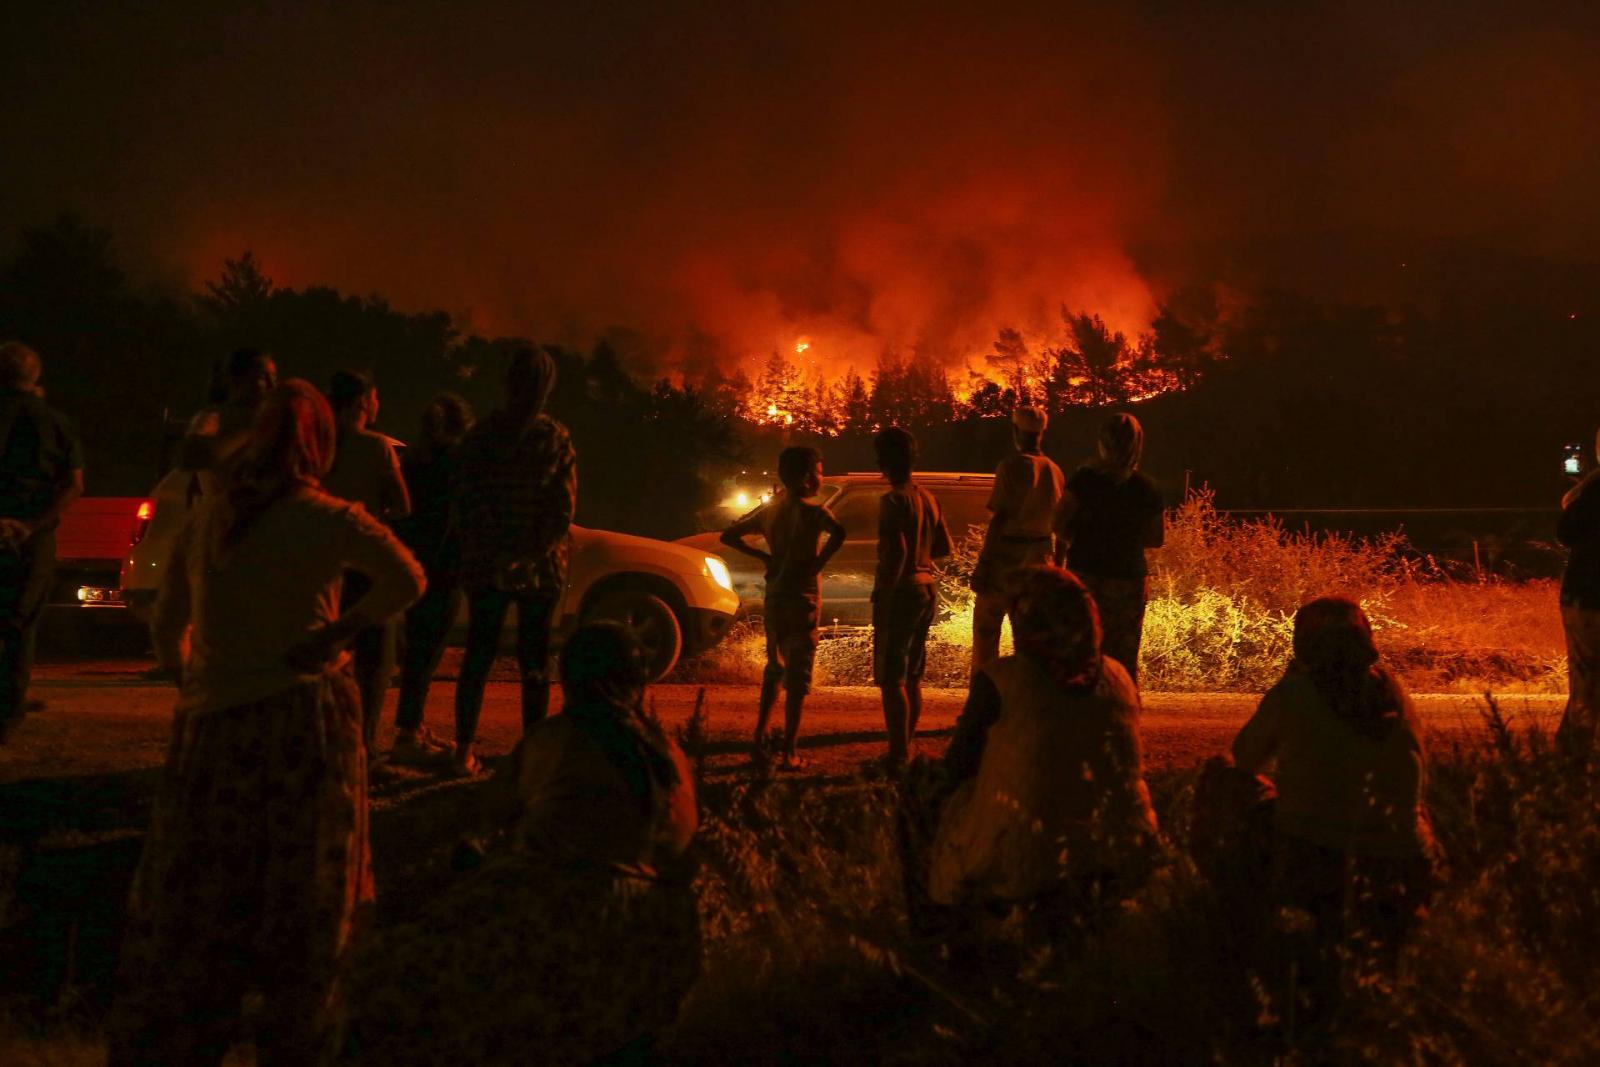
x=91 y=543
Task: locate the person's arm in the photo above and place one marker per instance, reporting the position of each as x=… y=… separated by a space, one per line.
x=198 y=451
x=395 y=496
x=982 y=711
x=1155 y=531
x=894 y=551
x=169 y=618
x=1002 y=501
x=734 y=537
x=1257 y=744
x=1065 y=512
x=561 y=496
x=70 y=489
x=835 y=541
x=1580 y=512
x=368 y=547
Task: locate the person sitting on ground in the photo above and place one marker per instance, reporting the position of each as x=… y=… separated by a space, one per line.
x=577 y=933
x=1579 y=530
x=430 y=470
x=1027 y=493
x=1049 y=803
x=220 y=430
x=366 y=471
x=911 y=535
x=516 y=494
x=793 y=526
x=257 y=857
x=1344 y=751
x=41 y=474
x=1109 y=515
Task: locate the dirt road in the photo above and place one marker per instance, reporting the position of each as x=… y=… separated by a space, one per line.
x=104 y=717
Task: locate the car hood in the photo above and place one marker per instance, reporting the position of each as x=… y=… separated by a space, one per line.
x=589 y=541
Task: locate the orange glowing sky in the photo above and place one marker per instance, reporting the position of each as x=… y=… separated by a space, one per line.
x=874 y=179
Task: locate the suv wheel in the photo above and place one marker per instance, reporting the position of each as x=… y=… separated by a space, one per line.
x=652 y=621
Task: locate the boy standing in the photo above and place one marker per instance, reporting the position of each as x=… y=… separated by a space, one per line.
x=792 y=527
x=911 y=535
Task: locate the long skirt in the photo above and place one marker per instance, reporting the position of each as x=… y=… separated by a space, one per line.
x=256 y=864
x=523 y=962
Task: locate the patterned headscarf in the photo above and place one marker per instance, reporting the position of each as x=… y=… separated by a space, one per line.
x=291 y=445
x=603 y=677
x=1054 y=623
x=1121 y=445
x=1333 y=645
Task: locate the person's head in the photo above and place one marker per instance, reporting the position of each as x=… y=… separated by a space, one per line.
x=19 y=367
x=446 y=420
x=1027 y=427
x=251 y=375
x=1055 y=623
x=1333 y=645
x=291 y=445
x=1121 y=444
x=530 y=376
x=896 y=450
x=800 y=470
x=354 y=397
x=603 y=662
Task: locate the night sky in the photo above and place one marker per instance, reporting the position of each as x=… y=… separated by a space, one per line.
x=864 y=177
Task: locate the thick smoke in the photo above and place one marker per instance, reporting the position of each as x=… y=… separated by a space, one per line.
x=871 y=181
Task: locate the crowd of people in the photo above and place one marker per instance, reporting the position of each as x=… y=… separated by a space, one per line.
x=573 y=927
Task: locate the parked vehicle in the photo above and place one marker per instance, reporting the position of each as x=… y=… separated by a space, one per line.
x=95 y=534
x=853 y=499
x=678 y=600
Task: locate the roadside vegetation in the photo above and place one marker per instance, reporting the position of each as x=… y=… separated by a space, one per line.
x=1223 y=594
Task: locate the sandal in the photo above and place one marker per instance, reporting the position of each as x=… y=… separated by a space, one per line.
x=465 y=765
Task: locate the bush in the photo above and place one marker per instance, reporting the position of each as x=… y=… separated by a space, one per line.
x=1223 y=593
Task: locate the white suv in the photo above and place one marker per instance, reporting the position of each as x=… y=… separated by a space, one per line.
x=853 y=499
x=679 y=601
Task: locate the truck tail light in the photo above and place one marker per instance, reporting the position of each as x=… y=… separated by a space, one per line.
x=141 y=521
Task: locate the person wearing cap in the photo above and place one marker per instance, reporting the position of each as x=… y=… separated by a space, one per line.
x=41 y=472
x=1027 y=491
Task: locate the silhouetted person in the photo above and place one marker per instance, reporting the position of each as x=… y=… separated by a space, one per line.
x=577 y=934
x=1051 y=805
x=517 y=492
x=1341 y=743
x=1579 y=530
x=41 y=473
x=1109 y=514
x=366 y=471
x=220 y=430
x=257 y=857
x=1027 y=492
x=430 y=468
x=793 y=528
x=911 y=535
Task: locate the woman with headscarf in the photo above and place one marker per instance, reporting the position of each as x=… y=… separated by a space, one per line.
x=1108 y=516
x=257 y=857
x=1050 y=800
x=1349 y=774
x=578 y=935
x=516 y=493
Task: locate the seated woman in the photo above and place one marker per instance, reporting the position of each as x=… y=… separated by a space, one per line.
x=1050 y=801
x=1350 y=824
x=578 y=936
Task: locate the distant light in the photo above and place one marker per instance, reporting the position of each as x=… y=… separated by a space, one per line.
x=741 y=499
x=1573 y=315
x=801 y=346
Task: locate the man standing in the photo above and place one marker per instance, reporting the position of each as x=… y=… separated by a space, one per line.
x=516 y=494
x=1579 y=530
x=220 y=430
x=1027 y=488
x=911 y=535
x=41 y=472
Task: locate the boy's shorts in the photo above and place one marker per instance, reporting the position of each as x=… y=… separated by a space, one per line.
x=791 y=625
x=900 y=621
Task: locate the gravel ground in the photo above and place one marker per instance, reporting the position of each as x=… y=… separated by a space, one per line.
x=105 y=717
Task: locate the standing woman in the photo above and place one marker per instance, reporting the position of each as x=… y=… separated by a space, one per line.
x=1108 y=516
x=257 y=856
x=430 y=471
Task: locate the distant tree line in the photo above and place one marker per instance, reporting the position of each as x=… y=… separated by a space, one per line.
x=1283 y=399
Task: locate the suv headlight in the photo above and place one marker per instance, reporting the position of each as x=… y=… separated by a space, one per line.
x=719 y=572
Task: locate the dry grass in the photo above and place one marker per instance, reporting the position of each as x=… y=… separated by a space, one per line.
x=1223 y=593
